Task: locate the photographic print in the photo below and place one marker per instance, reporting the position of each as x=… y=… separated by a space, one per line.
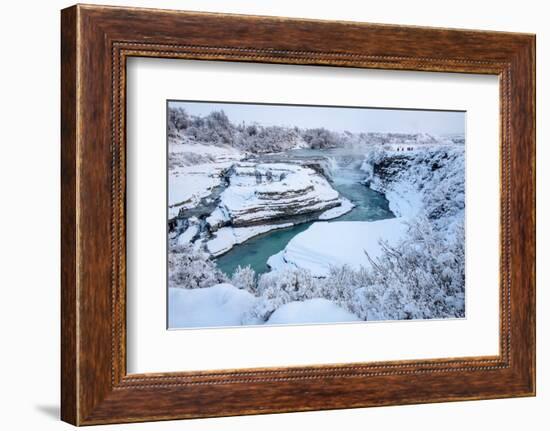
x=297 y=214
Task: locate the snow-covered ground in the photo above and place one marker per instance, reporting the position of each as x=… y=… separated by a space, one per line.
x=194 y=170
x=189 y=184
x=187 y=236
x=324 y=245
x=226 y=305
x=316 y=310
x=219 y=305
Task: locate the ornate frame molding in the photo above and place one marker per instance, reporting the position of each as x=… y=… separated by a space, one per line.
x=96 y=41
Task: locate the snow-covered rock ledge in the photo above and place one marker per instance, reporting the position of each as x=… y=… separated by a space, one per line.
x=194 y=171
x=265 y=193
x=268 y=196
x=429 y=179
x=324 y=245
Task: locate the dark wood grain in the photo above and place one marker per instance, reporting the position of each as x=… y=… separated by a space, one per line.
x=96 y=41
x=68 y=218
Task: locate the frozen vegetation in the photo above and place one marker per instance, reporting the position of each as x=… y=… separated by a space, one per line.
x=231 y=183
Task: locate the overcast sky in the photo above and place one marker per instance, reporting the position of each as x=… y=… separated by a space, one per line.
x=337 y=119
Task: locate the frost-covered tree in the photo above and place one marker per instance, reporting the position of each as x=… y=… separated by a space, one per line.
x=216 y=128
x=322 y=138
x=178 y=120
x=244 y=278
x=191 y=268
x=422 y=277
x=341 y=284
x=277 y=288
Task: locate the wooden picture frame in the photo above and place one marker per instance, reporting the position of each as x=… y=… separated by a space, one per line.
x=95 y=43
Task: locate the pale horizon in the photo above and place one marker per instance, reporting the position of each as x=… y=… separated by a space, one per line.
x=352 y=119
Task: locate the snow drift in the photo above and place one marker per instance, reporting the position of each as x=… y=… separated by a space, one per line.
x=324 y=245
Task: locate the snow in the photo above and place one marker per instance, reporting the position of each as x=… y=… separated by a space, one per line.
x=227 y=237
x=217 y=218
x=336 y=244
x=427 y=181
x=260 y=193
x=218 y=151
x=345 y=207
x=277 y=260
x=316 y=310
x=219 y=305
x=404 y=200
x=226 y=305
x=189 y=184
x=188 y=235
x=194 y=170
x=265 y=191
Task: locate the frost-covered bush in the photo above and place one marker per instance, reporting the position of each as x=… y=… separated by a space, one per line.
x=178 y=120
x=341 y=284
x=321 y=138
x=422 y=277
x=269 y=139
x=191 y=268
x=244 y=278
x=277 y=288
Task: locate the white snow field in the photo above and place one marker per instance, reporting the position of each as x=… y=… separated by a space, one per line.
x=219 y=305
x=226 y=305
x=324 y=245
x=316 y=310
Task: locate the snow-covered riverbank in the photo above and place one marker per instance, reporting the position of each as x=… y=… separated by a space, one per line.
x=428 y=181
x=325 y=245
x=194 y=171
